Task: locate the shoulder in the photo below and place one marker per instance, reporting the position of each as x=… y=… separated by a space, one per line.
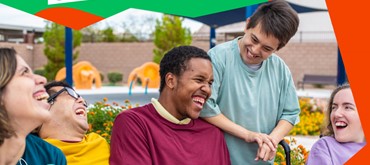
x=134 y=113
x=222 y=50
x=276 y=61
x=42 y=149
x=324 y=143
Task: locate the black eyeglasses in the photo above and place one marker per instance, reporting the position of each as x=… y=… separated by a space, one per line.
x=70 y=92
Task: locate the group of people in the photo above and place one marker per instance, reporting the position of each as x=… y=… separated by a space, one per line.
x=230 y=106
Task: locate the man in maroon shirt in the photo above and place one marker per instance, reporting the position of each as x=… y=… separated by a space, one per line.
x=167 y=131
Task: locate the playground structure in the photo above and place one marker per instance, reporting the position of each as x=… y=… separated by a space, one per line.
x=84 y=75
x=148 y=74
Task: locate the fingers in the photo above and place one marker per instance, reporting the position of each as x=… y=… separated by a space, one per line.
x=266 y=139
x=264 y=153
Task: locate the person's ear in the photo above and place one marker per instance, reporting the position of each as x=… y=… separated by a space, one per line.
x=170 y=80
x=246 y=24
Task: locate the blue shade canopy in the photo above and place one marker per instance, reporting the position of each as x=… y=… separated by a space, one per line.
x=238 y=15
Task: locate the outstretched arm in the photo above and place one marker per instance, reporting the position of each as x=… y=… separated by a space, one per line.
x=234 y=129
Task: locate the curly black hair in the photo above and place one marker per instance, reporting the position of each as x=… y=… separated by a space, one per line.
x=175 y=61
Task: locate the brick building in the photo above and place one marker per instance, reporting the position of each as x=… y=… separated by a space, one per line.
x=301 y=57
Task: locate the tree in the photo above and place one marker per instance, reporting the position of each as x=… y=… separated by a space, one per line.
x=108 y=35
x=168 y=34
x=54 y=40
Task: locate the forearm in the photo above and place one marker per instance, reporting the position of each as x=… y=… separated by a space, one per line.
x=228 y=126
x=281 y=130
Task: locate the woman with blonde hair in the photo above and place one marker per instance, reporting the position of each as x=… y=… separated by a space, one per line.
x=23 y=107
x=345 y=136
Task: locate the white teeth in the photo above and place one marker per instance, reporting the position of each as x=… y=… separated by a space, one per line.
x=44 y=96
x=200 y=100
x=80 y=112
x=340 y=124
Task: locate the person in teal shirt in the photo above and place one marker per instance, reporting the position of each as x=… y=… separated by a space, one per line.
x=253 y=97
x=23 y=108
x=40 y=152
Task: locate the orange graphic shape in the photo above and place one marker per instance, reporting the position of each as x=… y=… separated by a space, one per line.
x=73 y=18
x=84 y=75
x=148 y=73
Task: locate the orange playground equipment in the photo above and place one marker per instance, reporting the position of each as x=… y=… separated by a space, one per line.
x=84 y=75
x=148 y=73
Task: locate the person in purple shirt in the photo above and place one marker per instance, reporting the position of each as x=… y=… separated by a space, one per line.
x=345 y=136
x=167 y=131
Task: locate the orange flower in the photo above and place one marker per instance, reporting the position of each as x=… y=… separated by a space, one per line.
x=127 y=101
x=105 y=99
x=115 y=103
x=110 y=113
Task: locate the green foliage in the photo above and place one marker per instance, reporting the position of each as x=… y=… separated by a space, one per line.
x=39 y=71
x=128 y=37
x=101 y=116
x=168 y=34
x=54 y=40
x=108 y=35
x=115 y=77
x=311 y=117
x=298 y=154
x=91 y=34
x=101 y=76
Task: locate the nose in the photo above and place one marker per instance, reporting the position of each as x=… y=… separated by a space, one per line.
x=40 y=79
x=338 y=112
x=255 y=49
x=206 y=89
x=81 y=100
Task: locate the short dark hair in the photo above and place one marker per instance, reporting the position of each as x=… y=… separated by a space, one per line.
x=276 y=18
x=52 y=84
x=175 y=61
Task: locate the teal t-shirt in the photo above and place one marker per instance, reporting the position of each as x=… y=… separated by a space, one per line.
x=41 y=152
x=256 y=100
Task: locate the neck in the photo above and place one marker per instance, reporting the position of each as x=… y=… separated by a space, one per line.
x=62 y=133
x=12 y=150
x=167 y=104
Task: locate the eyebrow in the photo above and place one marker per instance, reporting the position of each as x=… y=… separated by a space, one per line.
x=345 y=103
x=258 y=40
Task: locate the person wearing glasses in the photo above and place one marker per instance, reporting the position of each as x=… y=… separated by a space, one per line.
x=23 y=107
x=67 y=128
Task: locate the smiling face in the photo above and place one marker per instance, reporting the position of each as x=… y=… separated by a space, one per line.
x=192 y=88
x=255 y=46
x=24 y=98
x=345 y=119
x=68 y=112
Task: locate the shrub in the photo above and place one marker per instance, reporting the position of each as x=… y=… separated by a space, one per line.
x=101 y=76
x=298 y=154
x=114 y=77
x=101 y=116
x=39 y=71
x=311 y=118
